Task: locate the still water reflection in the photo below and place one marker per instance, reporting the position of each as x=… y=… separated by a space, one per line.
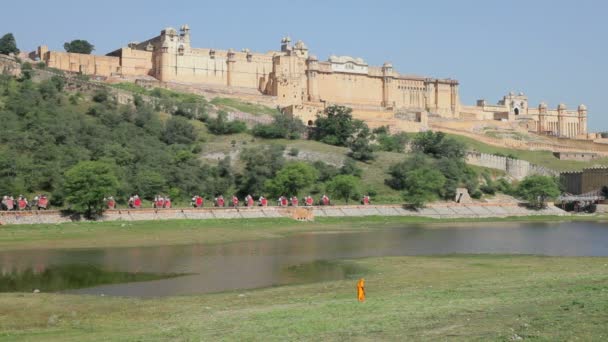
x=309 y=256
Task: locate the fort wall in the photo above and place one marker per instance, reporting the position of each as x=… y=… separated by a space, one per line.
x=587 y=180
x=136 y=62
x=515 y=168
x=350 y=89
x=579 y=156
x=290 y=75
x=294 y=77
x=81 y=63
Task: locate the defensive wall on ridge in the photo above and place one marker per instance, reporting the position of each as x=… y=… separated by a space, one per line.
x=515 y=168
x=556 y=144
x=437 y=210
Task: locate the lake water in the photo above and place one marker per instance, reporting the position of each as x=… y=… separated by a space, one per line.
x=305 y=257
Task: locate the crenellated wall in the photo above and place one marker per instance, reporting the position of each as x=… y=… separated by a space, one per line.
x=587 y=180
x=81 y=63
x=515 y=168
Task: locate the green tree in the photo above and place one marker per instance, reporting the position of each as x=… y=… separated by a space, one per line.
x=291 y=179
x=350 y=168
x=537 y=190
x=283 y=127
x=52 y=87
x=325 y=171
x=261 y=164
x=337 y=126
x=148 y=183
x=399 y=171
x=79 y=46
x=438 y=145
x=179 y=130
x=360 y=148
x=458 y=174
x=422 y=185
x=8 y=44
x=86 y=185
x=345 y=187
x=221 y=125
x=392 y=143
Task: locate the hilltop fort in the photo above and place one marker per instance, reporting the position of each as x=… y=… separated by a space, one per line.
x=302 y=85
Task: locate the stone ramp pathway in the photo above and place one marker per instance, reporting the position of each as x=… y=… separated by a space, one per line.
x=443 y=211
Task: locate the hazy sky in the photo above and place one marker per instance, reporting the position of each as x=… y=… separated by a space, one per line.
x=554 y=51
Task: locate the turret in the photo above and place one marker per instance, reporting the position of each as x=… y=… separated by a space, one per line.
x=312 y=64
x=286 y=44
x=301 y=49
x=387 y=69
x=582 y=119
x=230 y=66
x=185 y=35
x=387 y=73
x=542 y=118
x=582 y=110
x=164 y=48
x=561 y=120
x=168 y=34
x=166 y=55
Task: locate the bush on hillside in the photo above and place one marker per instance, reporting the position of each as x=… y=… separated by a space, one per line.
x=220 y=125
x=282 y=127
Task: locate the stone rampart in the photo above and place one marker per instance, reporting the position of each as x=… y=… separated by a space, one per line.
x=555 y=145
x=439 y=210
x=515 y=168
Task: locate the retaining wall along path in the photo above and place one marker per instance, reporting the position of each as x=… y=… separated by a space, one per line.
x=443 y=210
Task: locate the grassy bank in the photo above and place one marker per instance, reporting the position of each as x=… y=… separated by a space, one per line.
x=153 y=233
x=408 y=298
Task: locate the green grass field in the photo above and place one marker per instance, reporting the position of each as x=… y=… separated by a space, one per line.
x=458 y=297
x=475 y=297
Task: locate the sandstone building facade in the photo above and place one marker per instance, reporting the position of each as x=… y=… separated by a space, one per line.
x=542 y=120
x=303 y=85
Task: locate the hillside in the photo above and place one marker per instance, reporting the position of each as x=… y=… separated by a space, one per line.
x=542 y=158
x=164 y=143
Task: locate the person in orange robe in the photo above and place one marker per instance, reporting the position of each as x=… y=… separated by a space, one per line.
x=361 y=290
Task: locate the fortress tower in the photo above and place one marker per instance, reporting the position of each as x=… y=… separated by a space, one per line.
x=582 y=119
x=542 y=118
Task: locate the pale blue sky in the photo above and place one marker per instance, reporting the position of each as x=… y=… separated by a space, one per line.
x=554 y=51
